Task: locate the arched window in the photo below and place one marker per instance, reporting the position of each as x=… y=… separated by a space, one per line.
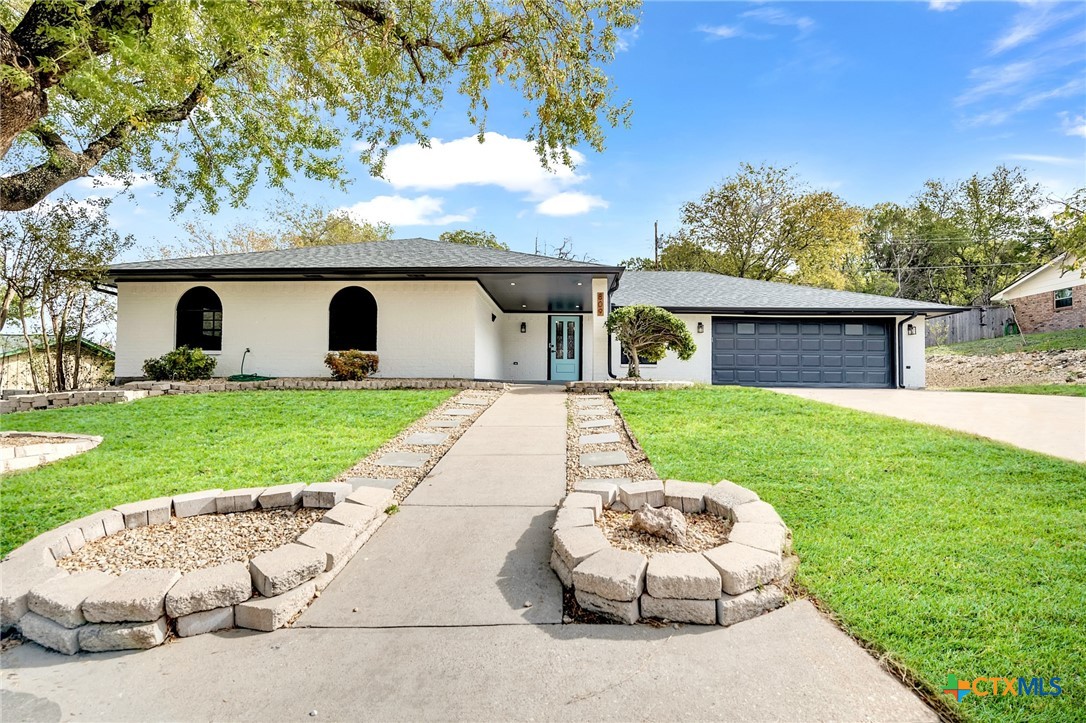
x=199 y=319
x=352 y=320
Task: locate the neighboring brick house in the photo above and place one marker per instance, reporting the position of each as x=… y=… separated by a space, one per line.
x=1049 y=298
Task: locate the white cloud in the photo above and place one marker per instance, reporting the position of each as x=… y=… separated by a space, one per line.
x=942 y=6
x=721 y=31
x=1073 y=125
x=402 y=211
x=776 y=16
x=1038 y=158
x=509 y=163
x=570 y=203
x=116 y=182
x=1031 y=22
x=625 y=39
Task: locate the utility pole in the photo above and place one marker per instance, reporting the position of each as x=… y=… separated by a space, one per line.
x=656 y=243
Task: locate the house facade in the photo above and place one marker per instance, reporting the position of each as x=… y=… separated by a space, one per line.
x=19 y=368
x=1049 y=298
x=431 y=309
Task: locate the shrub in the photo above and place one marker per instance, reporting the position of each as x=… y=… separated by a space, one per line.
x=183 y=364
x=351 y=365
x=647 y=333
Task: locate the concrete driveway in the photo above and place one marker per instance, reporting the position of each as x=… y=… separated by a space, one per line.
x=1047 y=424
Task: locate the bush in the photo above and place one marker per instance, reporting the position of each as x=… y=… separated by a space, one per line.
x=183 y=364
x=351 y=365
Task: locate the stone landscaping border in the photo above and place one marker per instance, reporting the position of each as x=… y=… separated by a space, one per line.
x=595 y=387
x=28 y=456
x=741 y=579
x=140 y=390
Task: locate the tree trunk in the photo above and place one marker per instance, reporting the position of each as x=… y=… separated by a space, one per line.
x=9 y=296
x=46 y=350
x=29 y=348
x=20 y=108
x=633 y=369
x=79 y=342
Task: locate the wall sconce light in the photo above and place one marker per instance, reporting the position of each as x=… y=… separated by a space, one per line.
x=523 y=327
x=701 y=328
x=910 y=330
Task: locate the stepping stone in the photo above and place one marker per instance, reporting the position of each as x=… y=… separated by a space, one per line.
x=592 y=412
x=427 y=439
x=460 y=412
x=607 y=489
x=586 y=404
x=596 y=423
x=635 y=495
x=606 y=438
x=603 y=459
x=403 y=459
x=444 y=423
x=474 y=401
x=385 y=483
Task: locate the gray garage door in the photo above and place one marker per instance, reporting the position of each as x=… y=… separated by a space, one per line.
x=801 y=353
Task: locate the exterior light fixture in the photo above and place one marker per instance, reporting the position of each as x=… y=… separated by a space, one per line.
x=579 y=284
x=523 y=327
x=524 y=306
x=512 y=283
x=701 y=328
x=910 y=330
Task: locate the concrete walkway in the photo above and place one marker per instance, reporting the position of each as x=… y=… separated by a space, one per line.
x=1047 y=424
x=442 y=631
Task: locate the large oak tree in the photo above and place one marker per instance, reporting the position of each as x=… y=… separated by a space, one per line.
x=212 y=96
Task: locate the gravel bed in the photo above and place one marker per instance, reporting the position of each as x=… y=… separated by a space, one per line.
x=191 y=543
x=411 y=477
x=639 y=467
x=25 y=440
x=704 y=531
x=1029 y=367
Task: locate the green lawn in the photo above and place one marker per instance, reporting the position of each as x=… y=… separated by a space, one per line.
x=952 y=554
x=172 y=444
x=1047 y=341
x=1062 y=390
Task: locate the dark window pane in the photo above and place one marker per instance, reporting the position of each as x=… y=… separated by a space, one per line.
x=352 y=320
x=559 y=341
x=571 y=340
x=199 y=319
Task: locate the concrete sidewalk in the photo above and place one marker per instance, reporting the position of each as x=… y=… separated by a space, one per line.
x=1047 y=424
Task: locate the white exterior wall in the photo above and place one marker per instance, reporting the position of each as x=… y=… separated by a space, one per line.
x=524 y=356
x=424 y=328
x=1051 y=278
x=488 y=337
x=698 y=369
x=913 y=357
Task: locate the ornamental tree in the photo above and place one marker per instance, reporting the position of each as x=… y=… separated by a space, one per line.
x=647 y=333
x=210 y=97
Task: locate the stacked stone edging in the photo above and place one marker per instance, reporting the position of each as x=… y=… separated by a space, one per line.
x=34 y=455
x=93 y=611
x=140 y=390
x=741 y=579
x=597 y=387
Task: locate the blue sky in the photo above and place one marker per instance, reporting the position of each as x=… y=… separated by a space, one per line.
x=865 y=99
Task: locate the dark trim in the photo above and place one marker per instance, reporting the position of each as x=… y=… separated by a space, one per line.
x=580 y=345
x=816 y=311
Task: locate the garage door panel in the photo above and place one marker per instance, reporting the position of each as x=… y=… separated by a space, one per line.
x=802 y=353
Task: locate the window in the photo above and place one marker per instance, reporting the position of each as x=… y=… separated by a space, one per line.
x=624 y=358
x=1063 y=298
x=199 y=319
x=352 y=320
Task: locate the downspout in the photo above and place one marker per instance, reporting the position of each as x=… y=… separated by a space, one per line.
x=901 y=353
x=610 y=290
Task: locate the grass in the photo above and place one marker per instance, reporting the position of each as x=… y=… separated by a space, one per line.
x=949 y=553
x=1046 y=341
x=172 y=444
x=1062 y=390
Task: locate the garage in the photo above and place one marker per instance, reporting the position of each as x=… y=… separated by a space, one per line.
x=802 y=352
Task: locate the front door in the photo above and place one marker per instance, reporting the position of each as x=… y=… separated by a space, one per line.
x=565 y=348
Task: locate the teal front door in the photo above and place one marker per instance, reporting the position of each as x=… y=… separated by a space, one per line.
x=565 y=346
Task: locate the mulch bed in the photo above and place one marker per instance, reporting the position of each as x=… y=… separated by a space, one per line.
x=704 y=531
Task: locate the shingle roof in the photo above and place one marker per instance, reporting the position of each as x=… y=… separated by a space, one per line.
x=15 y=344
x=699 y=290
x=398 y=254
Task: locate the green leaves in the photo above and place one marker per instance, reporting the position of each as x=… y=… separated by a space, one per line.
x=473 y=238
x=647 y=333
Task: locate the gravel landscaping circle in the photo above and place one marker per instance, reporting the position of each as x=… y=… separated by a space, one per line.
x=191 y=543
x=14 y=439
x=704 y=531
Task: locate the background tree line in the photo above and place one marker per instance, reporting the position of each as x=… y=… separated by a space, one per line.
x=954 y=242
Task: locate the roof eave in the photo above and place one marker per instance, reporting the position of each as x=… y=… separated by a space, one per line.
x=811 y=310
x=118 y=273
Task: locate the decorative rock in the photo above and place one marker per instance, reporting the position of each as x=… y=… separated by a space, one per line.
x=636 y=495
x=685 y=496
x=123 y=636
x=271 y=613
x=147 y=512
x=135 y=596
x=682 y=576
x=603 y=459
x=427 y=439
x=562 y=570
x=699 y=612
x=613 y=574
x=241 y=500
x=207 y=621
x=412 y=460
x=606 y=489
x=761 y=512
x=733 y=609
x=350 y=515
x=196 y=503
x=286 y=567
x=604 y=438
x=61 y=599
x=619 y=506
x=724 y=496
x=574 y=544
x=49 y=634
x=209 y=588
x=743 y=568
x=378 y=498
x=624 y=612
x=287 y=495
x=586 y=500
x=664 y=522
x=325 y=495
x=573 y=517
x=760 y=536
x=596 y=423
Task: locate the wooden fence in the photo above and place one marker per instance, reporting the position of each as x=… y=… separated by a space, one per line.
x=982 y=322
